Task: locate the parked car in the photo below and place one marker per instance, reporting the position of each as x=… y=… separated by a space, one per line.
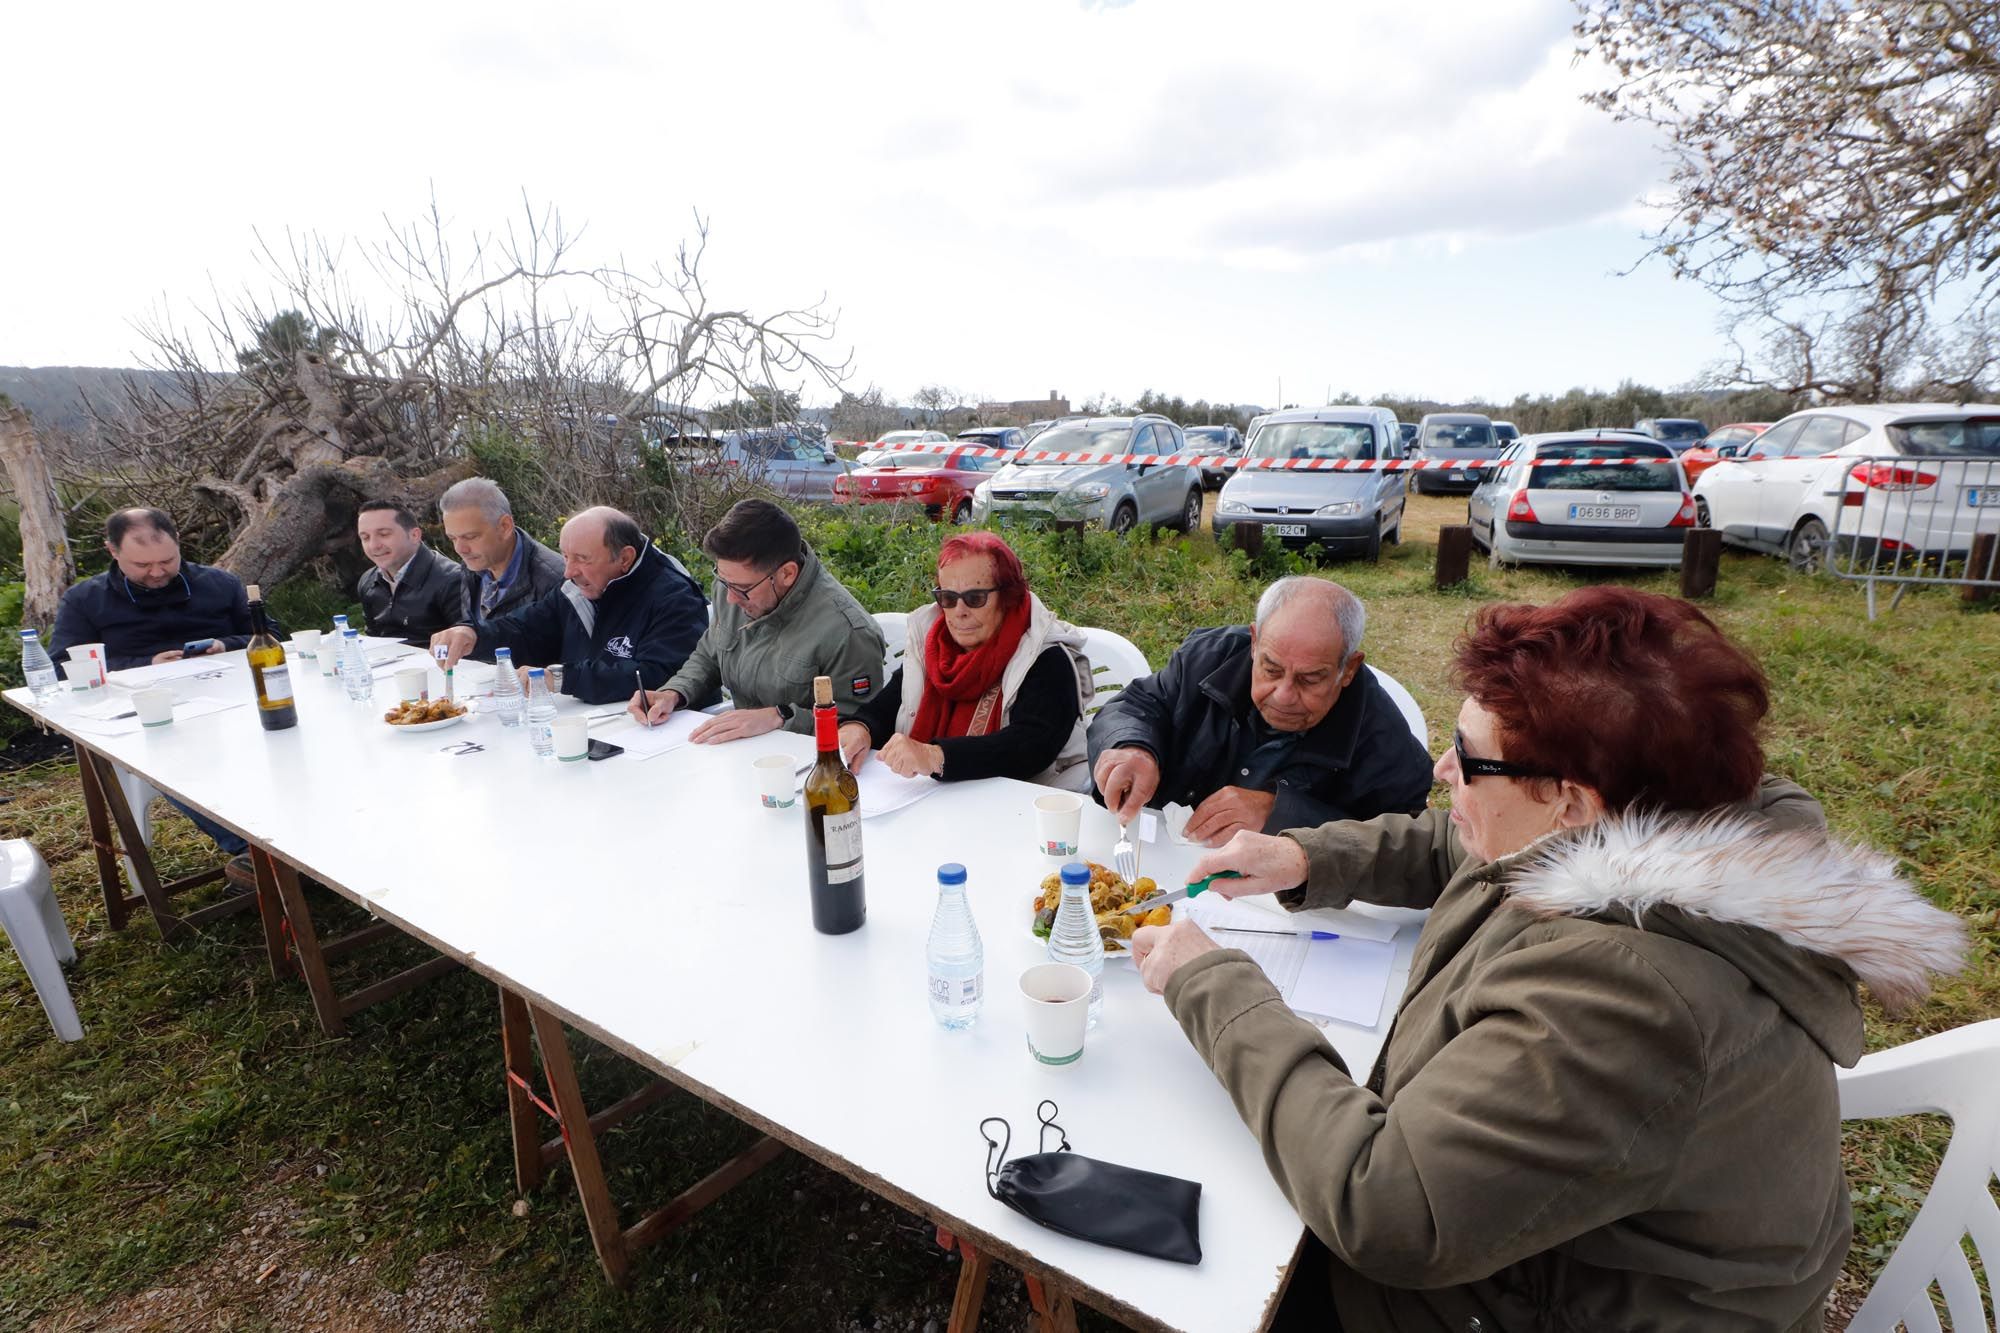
x=1722 y=442
x=898 y=439
x=1452 y=435
x=1781 y=495
x=1528 y=509
x=1345 y=512
x=941 y=483
x=1114 y=494
x=1034 y=428
x=792 y=460
x=1677 y=432
x=1506 y=432
x=1408 y=430
x=994 y=437
x=1214 y=440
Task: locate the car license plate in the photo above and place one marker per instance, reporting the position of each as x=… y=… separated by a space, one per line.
x=1976 y=498
x=1604 y=513
x=1458 y=476
x=1289 y=529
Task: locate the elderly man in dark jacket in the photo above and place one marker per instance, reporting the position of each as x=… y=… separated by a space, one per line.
x=627 y=613
x=412 y=592
x=151 y=603
x=1263 y=727
x=506 y=570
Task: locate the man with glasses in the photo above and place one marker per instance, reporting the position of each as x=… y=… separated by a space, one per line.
x=780 y=620
x=1263 y=727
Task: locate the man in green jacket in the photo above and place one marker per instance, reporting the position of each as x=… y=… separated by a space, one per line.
x=781 y=619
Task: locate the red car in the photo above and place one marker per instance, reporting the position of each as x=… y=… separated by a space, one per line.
x=1720 y=443
x=941 y=482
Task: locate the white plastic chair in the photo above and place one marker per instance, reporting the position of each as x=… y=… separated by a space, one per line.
x=31 y=918
x=895 y=637
x=1406 y=704
x=1955 y=1073
x=1115 y=661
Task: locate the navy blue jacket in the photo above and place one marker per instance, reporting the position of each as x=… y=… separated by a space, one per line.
x=1359 y=762
x=135 y=624
x=647 y=621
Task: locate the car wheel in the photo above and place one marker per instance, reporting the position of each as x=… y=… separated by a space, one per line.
x=1701 y=517
x=1124 y=519
x=1373 y=552
x=962 y=513
x=1807 y=549
x=1191 y=513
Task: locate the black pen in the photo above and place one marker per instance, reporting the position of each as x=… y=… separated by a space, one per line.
x=644 y=710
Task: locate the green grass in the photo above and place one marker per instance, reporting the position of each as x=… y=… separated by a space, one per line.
x=205 y=1087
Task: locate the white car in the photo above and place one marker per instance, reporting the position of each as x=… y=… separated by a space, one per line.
x=898 y=441
x=1787 y=491
x=1544 y=502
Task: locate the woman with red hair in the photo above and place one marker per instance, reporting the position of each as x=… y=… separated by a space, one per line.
x=991 y=686
x=1608 y=1101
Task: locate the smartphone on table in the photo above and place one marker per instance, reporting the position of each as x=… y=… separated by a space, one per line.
x=603 y=750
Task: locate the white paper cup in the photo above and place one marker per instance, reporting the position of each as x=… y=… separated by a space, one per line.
x=306 y=643
x=1057 y=999
x=1058 y=818
x=413 y=683
x=156 y=706
x=572 y=738
x=329 y=655
x=86 y=672
x=777 y=781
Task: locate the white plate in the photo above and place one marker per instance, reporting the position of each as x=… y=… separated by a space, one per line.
x=414 y=727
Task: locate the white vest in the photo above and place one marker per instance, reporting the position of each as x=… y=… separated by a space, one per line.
x=1071 y=770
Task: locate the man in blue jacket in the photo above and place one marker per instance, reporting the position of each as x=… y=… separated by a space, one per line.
x=625 y=613
x=1263 y=727
x=151 y=603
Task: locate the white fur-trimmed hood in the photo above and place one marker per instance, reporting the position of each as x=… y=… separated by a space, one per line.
x=1810 y=890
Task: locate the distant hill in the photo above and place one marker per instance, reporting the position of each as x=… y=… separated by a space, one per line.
x=53 y=395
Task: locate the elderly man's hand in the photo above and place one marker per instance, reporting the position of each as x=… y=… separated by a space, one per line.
x=1127 y=777
x=1159 y=951
x=735 y=725
x=1229 y=811
x=855 y=742
x=1264 y=864
x=659 y=705
x=456 y=641
x=908 y=758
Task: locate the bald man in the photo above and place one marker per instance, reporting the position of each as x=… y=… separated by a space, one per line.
x=1263 y=727
x=624 y=609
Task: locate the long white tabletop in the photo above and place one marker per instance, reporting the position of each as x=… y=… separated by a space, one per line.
x=655 y=905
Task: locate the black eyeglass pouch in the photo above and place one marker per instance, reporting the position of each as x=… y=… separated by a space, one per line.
x=1101 y=1202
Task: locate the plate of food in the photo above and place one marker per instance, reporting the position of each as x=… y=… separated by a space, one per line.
x=425 y=715
x=1110 y=895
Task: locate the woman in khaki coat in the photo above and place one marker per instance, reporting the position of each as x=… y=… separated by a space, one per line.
x=1608 y=1100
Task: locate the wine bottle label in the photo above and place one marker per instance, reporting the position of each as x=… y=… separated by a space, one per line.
x=277 y=683
x=843 y=847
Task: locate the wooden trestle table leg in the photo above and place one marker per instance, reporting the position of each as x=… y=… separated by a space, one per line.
x=114 y=832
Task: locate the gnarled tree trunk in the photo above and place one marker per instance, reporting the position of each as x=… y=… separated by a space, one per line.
x=45 y=554
x=312 y=513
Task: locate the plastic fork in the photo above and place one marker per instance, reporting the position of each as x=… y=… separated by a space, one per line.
x=1124 y=856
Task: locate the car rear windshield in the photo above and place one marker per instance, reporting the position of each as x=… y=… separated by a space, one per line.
x=1968 y=437
x=1217 y=434
x=1678 y=430
x=1314 y=439
x=1470 y=435
x=1658 y=476
x=1104 y=439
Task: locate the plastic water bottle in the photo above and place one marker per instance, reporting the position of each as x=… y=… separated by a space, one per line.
x=39 y=670
x=1074 y=938
x=354 y=667
x=957 y=959
x=506 y=689
x=541 y=714
x=340 y=645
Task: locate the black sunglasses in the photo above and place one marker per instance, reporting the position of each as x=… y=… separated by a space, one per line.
x=1470 y=768
x=972 y=597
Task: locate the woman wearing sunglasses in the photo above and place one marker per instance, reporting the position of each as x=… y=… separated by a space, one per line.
x=1608 y=1100
x=991 y=685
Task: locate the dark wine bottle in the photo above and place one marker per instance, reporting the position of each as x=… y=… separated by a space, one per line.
x=833 y=826
x=268 y=671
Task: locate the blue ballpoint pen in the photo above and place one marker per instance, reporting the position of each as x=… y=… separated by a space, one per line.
x=1295 y=934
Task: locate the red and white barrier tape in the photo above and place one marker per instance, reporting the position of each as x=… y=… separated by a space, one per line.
x=1231 y=461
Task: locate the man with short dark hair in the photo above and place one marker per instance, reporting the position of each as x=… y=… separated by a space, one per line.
x=627 y=613
x=151 y=603
x=506 y=570
x=412 y=592
x=781 y=619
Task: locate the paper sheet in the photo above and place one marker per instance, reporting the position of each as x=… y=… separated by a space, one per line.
x=117 y=717
x=882 y=792
x=139 y=678
x=649 y=742
x=1344 y=979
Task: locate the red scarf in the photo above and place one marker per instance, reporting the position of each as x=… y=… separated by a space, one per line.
x=958 y=681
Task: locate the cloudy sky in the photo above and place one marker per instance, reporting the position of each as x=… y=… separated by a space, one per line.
x=1200 y=198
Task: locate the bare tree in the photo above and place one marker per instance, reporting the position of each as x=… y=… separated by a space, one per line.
x=502 y=345
x=47 y=566
x=937 y=402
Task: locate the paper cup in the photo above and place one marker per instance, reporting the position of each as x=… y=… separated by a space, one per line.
x=572 y=738
x=1057 y=820
x=329 y=655
x=1057 y=999
x=777 y=781
x=306 y=643
x=87 y=672
x=413 y=683
x=156 y=706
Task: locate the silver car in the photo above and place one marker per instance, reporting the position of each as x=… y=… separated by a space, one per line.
x=1547 y=502
x=1349 y=513
x=1111 y=494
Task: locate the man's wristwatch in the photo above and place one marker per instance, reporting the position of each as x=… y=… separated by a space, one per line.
x=785 y=712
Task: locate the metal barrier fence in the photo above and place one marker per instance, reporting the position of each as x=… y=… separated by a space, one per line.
x=1908 y=520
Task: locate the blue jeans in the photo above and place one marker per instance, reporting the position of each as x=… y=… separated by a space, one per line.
x=224 y=838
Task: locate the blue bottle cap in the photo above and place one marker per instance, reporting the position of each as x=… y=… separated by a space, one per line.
x=350 y=633
x=1076 y=872
x=951 y=873
x=534 y=673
